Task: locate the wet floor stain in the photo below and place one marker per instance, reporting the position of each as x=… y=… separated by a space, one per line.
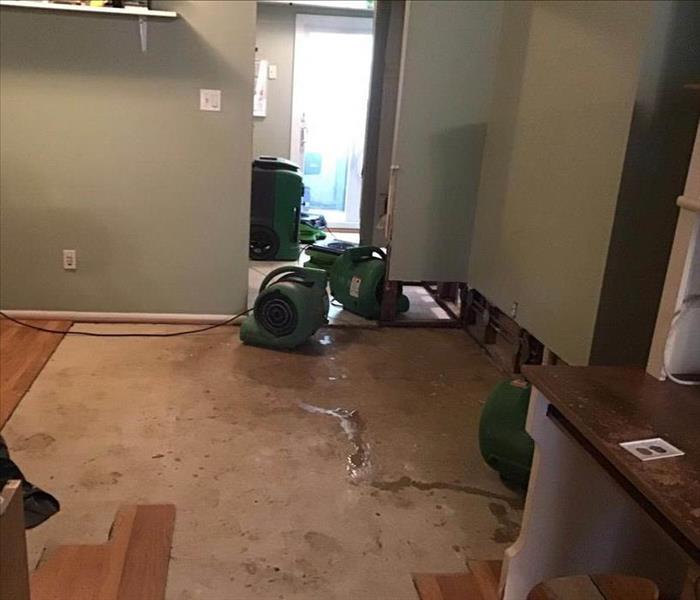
x=406 y=482
x=359 y=464
x=34 y=443
x=508 y=530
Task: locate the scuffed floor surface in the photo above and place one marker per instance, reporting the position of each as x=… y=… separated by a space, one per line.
x=265 y=507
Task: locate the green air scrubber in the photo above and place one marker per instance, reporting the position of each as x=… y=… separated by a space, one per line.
x=357 y=281
x=275 y=209
x=504 y=443
x=291 y=306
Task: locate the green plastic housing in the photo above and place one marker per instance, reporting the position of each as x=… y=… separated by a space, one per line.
x=288 y=192
x=503 y=441
x=291 y=306
x=357 y=281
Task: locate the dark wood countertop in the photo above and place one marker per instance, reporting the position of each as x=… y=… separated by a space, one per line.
x=609 y=405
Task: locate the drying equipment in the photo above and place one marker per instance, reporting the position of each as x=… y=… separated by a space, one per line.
x=324 y=254
x=357 y=281
x=291 y=305
x=275 y=207
x=504 y=443
x=311 y=228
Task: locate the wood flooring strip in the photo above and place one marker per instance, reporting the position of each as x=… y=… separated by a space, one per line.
x=622 y=587
x=145 y=571
x=14 y=574
x=460 y=586
x=23 y=354
x=132 y=565
x=487 y=574
x=427 y=586
x=71 y=573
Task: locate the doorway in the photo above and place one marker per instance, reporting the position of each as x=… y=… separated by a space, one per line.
x=332 y=66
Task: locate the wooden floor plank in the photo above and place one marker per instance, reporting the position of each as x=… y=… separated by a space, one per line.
x=427 y=586
x=71 y=572
x=624 y=587
x=131 y=565
x=487 y=574
x=459 y=586
x=23 y=353
x=148 y=554
x=14 y=574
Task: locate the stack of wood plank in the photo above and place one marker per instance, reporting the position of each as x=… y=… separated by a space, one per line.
x=131 y=565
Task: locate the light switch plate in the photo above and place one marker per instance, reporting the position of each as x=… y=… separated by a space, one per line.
x=210 y=100
x=652 y=449
x=272 y=72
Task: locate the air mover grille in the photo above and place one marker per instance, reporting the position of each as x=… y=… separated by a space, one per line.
x=276 y=313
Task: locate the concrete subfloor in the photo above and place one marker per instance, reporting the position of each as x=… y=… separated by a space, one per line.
x=265 y=508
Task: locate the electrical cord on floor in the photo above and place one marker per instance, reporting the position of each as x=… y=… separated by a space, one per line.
x=329 y=230
x=130 y=335
x=690 y=303
x=138 y=335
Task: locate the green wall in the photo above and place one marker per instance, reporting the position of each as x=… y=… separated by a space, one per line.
x=447 y=73
x=563 y=101
x=103 y=149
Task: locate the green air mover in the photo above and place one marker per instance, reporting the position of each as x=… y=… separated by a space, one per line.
x=505 y=445
x=275 y=207
x=324 y=254
x=291 y=306
x=357 y=281
x=311 y=228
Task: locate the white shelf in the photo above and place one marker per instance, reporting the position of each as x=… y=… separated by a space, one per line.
x=128 y=11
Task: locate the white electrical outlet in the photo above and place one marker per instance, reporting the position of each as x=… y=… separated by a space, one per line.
x=514 y=310
x=210 y=100
x=652 y=449
x=70 y=260
x=272 y=72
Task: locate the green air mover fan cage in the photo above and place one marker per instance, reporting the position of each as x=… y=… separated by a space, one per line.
x=291 y=306
x=357 y=281
x=504 y=443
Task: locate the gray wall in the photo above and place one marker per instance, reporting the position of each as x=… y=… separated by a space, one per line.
x=660 y=143
x=104 y=150
x=564 y=94
x=447 y=72
x=276 y=27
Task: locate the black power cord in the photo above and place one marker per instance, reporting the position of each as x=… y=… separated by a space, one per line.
x=130 y=335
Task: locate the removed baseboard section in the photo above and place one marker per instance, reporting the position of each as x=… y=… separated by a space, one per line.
x=119 y=317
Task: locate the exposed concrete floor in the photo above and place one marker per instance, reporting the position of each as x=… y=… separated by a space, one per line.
x=265 y=509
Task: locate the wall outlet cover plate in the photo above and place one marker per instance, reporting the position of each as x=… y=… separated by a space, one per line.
x=210 y=100
x=652 y=449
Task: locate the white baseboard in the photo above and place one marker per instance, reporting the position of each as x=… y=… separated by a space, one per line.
x=118 y=317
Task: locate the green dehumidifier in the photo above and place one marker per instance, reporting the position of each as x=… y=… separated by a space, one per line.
x=357 y=281
x=504 y=443
x=275 y=209
x=291 y=306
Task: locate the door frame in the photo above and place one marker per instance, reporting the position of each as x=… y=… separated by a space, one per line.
x=332 y=24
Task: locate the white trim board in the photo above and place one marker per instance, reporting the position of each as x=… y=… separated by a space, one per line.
x=119 y=317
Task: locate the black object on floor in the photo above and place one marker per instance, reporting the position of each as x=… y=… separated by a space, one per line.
x=38 y=504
